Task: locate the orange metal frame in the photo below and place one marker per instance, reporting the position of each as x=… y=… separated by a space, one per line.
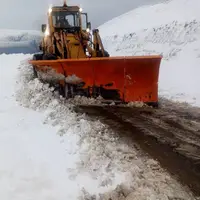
x=136 y=77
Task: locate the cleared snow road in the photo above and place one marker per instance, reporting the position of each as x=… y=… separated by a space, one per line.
x=168 y=135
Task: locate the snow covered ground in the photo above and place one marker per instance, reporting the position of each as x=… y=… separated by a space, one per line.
x=19 y=41
x=171 y=29
x=49 y=152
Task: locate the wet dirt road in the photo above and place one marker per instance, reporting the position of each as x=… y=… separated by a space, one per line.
x=170 y=136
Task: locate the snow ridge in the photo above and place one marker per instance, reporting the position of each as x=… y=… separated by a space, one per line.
x=167 y=40
x=12 y=41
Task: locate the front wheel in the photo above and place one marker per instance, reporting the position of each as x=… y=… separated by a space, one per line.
x=49 y=56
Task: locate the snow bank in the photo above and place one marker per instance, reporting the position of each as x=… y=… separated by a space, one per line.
x=19 y=41
x=171 y=29
x=55 y=153
x=146 y=17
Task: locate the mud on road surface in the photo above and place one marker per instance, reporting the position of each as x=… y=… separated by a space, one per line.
x=169 y=134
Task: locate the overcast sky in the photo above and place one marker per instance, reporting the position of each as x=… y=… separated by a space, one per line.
x=30 y=14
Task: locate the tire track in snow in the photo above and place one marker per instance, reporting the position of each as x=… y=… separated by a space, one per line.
x=160 y=142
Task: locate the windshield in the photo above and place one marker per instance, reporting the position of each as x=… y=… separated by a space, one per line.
x=65 y=19
x=84 y=21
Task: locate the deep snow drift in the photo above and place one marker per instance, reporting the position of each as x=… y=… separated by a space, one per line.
x=19 y=41
x=171 y=29
x=54 y=153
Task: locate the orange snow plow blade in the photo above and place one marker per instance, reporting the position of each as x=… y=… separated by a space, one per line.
x=133 y=78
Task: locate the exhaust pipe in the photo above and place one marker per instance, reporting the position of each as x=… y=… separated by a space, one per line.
x=65 y=3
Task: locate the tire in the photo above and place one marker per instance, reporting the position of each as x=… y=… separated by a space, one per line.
x=49 y=56
x=100 y=54
x=106 y=53
x=37 y=56
x=153 y=104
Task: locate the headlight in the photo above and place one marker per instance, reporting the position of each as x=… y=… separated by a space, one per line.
x=50 y=10
x=88 y=30
x=80 y=9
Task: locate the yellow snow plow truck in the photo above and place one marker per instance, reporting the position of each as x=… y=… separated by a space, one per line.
x=77 y=56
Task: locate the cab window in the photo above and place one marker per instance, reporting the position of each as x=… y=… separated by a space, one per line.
x=65 y=19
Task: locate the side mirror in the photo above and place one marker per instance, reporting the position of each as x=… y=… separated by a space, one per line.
x=44 y=26
x=89 y=25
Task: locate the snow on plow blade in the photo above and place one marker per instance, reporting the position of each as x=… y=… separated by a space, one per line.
x=131 y=78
